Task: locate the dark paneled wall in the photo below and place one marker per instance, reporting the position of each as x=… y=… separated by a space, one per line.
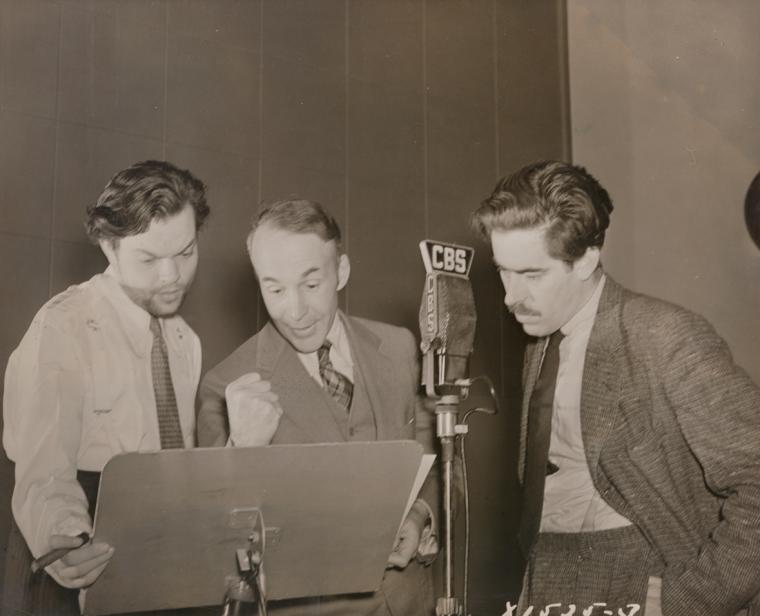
x=397 y=115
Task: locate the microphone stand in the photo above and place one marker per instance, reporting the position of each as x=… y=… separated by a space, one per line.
x=446 y=411
x=447 y=429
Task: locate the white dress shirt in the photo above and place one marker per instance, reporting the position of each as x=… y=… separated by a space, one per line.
x=571 y=502
x=79 y=390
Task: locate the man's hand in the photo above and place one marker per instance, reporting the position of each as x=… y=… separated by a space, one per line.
x=253 y=409
x=82 y=566
x=408 y=538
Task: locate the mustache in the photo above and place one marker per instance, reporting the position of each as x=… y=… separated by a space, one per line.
x=523 y=310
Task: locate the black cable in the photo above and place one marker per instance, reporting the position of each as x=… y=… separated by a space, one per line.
x=491 y=390
x=463 y=455
x=262 y=601
x=466 y=520
x=254 y=581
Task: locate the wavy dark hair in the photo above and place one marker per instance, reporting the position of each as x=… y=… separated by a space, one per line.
x=564 y=198
x=137 y=195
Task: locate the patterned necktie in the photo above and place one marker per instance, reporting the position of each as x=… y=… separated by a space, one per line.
x=336 y=384
x=540 y=411
x=163 y=389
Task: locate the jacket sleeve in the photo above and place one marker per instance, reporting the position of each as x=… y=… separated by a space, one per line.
x=212 y=423
x=718 y=410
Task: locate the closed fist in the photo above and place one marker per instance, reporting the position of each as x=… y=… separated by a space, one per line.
x=253 y=409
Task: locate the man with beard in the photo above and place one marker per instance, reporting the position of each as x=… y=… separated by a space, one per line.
x=106 y=367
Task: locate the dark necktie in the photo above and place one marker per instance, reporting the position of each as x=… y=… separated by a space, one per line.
x=163 y=389
x=537 y=447
x=336 y=384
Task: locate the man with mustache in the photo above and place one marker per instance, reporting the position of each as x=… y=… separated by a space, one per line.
x=106 y=367
x=315 y=375
x=639 y=440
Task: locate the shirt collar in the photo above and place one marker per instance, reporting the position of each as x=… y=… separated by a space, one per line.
x=587 y=312
x=340 y=352
x=337 y=337
x=134 y=319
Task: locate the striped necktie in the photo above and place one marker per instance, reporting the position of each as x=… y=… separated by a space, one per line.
x=163 y=389
x=336 y=384
x=540 y=410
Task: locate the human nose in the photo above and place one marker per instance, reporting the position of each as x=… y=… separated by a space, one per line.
x=514 y=290
x=296 y=306
x=169 y=271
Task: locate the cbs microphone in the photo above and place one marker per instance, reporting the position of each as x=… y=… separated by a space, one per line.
x=447 y=316
x=447 y=333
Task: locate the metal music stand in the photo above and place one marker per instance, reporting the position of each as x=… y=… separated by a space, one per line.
x=177 y=518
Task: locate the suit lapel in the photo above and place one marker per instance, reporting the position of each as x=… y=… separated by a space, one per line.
x=602 y=375
x=302 y=400
x=376 y=371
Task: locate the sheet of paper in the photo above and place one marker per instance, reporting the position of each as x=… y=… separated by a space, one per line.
x=422 y=472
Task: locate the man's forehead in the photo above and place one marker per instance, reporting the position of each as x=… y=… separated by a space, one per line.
x=278 y=254
x=164 y=235
x=520 y=246
x=269 y=274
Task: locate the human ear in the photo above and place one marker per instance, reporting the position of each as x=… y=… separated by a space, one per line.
x=344 y=271
x=109 y=250
x=587 y=264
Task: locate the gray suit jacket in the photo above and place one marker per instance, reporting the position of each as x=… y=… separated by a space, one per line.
x=387 y=358
x=671 y=429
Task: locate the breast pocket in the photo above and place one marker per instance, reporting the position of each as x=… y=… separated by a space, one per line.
x=111 y=418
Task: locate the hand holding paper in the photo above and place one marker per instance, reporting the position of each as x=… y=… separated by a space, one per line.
x=415 y=536
x=408 y=538
x=82 y=564
x=253 y=409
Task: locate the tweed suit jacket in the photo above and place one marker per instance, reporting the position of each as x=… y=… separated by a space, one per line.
x=671 y=431
x=386 y=357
